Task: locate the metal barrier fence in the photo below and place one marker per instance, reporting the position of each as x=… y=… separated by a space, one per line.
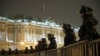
x=82 y=48
x=77 y=49
x=94 y=48
x=53 y=52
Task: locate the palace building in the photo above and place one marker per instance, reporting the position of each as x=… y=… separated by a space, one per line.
x=23 y=33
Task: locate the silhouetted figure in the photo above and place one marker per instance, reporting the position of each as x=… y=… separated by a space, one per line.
x=16 y=51
x=9 y=51
x=26 y=50
x=52 y=40
x=3 y=52
x=44 y=44
x=31 y=49
x=38 y=47
x=87 y=30
x=69 y=35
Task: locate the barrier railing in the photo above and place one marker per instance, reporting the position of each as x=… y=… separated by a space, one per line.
x=60 y=52
x=53 y=52
x=76 y=49
x=82 y=48
x=94 y=48
x=43 y=53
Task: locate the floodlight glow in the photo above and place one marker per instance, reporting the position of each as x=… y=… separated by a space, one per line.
x=39 y=23
x=22 y=43
x=25 y=20
x=52 y=24
x=47 y=22
x=57 y=25
x=10 y=20
x=34 y=22
x=4 y=18
x=35 y=43
x=19 y=20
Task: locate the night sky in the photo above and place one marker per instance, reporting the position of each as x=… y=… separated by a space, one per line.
x=63 y=11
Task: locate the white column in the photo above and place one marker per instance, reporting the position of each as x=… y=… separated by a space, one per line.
x=15 y=35
x=6 y=32
x=43 y=32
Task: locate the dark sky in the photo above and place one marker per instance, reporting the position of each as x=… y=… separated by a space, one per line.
x=60 y=10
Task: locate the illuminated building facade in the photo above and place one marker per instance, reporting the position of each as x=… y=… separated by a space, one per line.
x=22 y=33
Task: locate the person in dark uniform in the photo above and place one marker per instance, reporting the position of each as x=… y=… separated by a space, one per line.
x=16 y=51
x=88 y=30
x=10 y=51
x=3 y=52
x=26 y=50
x=53 y=44
x=69 y=35
x=32 y=49
x=44 y=44
x=38 y=47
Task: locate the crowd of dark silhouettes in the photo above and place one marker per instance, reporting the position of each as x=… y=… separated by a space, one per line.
x=41 y=46
x=87 y=31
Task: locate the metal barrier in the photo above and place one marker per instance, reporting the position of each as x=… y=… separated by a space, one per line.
x=60 y=52
x=76 y=49
x=43 y=53
x=36 y=54
x=94 y=48
x=82 y=48
x=53 y=52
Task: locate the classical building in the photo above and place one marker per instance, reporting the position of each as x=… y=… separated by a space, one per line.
x=23 y=33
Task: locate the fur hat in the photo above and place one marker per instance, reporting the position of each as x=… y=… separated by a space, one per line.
x=85 y=9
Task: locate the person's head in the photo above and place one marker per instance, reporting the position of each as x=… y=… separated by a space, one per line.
x=39 y=42
x=16 y=49
x=66 y=26
x=31 y=46
x=43 y=40
x=50 y=36
x=85 y=11
x=26 y=48
x=3 y=49
x=9 y=49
